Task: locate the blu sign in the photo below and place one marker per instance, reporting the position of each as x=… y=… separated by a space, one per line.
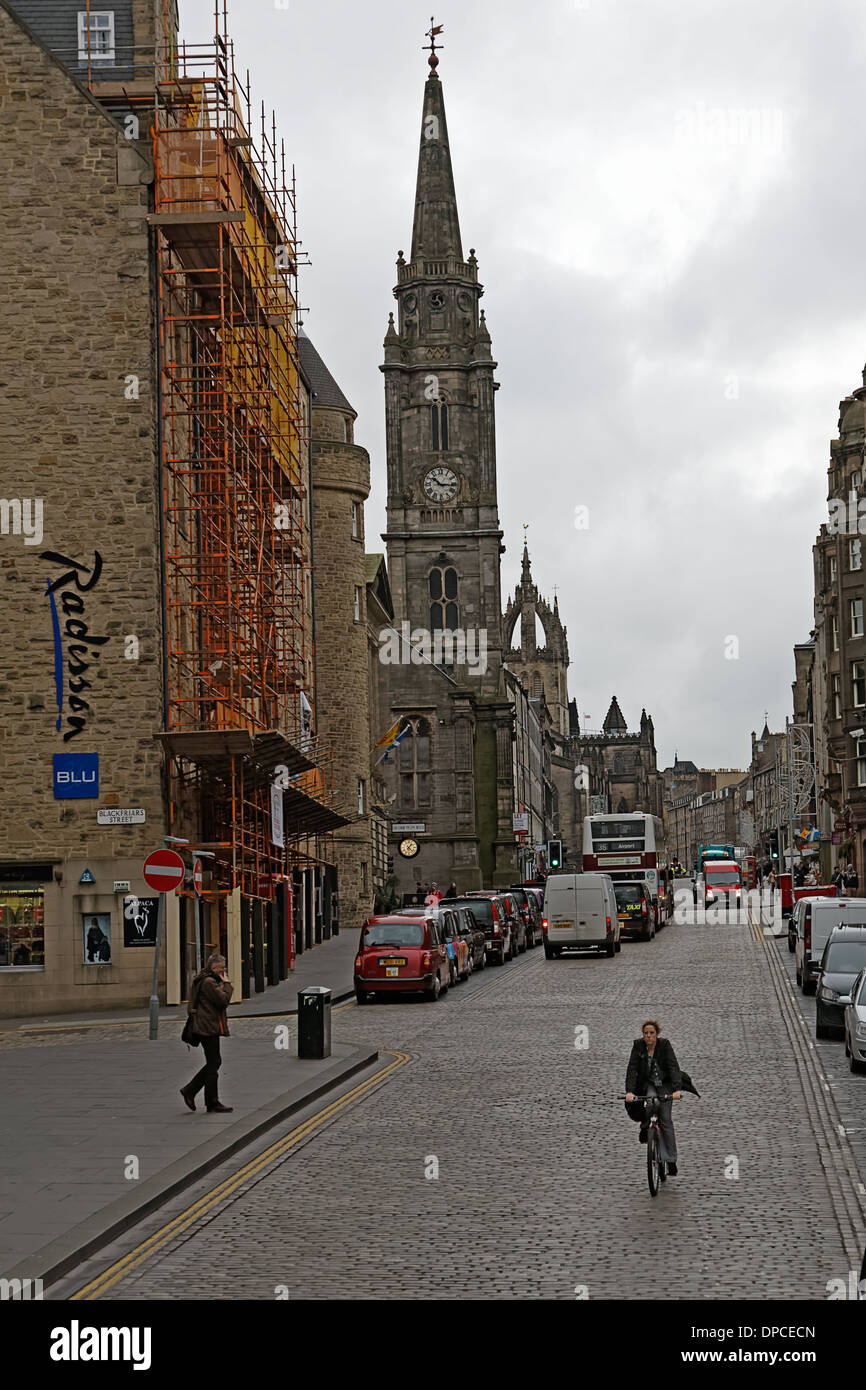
x=75 y=775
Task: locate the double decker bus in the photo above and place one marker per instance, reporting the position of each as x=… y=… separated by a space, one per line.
x=631 y=847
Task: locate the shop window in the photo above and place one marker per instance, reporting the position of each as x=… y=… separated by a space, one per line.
x=22 y=926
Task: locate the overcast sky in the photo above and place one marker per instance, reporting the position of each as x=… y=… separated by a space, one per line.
x=665 y=197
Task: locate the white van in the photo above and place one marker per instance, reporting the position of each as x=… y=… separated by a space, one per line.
x=579 y=911
x=815 y=921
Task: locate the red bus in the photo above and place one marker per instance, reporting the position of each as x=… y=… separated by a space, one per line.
x=631 y=847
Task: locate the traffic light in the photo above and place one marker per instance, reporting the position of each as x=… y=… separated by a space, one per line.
x=554 y=854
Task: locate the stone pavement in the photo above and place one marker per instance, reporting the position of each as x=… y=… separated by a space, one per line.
x=498 y=1163
x=95 y=1133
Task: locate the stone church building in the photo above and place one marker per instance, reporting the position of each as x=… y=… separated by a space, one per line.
x=453 y=780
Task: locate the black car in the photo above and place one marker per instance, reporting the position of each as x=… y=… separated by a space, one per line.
x=635 y=909
x=843 y=959
x=491 y=914
x=528 y=905
x=473 y=933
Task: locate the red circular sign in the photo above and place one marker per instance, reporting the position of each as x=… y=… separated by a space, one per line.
x=197 y=876
x=163 y=870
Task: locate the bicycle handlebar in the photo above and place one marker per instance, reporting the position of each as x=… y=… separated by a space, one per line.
x=663 y=1095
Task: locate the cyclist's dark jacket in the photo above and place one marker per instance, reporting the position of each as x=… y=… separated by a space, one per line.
x=637 y=1076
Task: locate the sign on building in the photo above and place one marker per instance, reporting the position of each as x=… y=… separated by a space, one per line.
x=76 y=775
x=120 y=815
x=277 y=833
x=139 y=921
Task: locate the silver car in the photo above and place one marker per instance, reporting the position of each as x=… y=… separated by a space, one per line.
x=855 y=1024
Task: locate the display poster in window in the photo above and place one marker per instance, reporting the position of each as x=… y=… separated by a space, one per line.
x=140 y=920
x=97 y=938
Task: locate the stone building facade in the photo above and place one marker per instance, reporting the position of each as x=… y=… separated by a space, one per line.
x=341 y=485
x=79 y=449
x=838 y=670
x=452 y=773
x=624 y=763
x=122 y=718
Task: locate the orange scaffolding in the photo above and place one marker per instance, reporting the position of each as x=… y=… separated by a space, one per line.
x=236 y=550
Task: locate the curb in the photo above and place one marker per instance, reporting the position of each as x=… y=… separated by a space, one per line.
x=64 y=1254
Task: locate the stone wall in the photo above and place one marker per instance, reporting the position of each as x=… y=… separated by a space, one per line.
x=77 y=427
x=341 y=476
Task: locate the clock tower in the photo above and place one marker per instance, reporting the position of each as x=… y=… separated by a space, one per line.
x=444 y=542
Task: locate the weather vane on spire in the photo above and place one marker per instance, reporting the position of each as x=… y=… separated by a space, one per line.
x=431 y=35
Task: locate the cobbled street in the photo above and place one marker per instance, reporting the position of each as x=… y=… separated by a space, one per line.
x=541 y=1189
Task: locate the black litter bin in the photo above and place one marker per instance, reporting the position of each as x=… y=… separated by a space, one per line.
x=314 y=1022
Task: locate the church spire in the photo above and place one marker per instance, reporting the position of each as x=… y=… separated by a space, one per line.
x=436 y=229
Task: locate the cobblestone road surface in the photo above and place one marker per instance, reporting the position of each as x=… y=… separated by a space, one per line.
x=541 y=1188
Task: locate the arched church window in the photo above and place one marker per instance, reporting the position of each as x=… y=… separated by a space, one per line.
x=414 y=766
x=439 y=418
x=443 y=598
x=537 y=689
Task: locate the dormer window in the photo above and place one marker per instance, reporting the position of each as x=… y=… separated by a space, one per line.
x=96 y=36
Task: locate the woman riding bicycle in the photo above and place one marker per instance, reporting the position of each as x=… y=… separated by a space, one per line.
x=653 y=1069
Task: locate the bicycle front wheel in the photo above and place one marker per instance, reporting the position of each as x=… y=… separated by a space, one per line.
x=653 y=1162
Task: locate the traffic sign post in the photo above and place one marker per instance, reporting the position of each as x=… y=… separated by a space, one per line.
x=163 y=871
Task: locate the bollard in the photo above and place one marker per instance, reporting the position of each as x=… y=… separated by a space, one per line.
x=314 y=1022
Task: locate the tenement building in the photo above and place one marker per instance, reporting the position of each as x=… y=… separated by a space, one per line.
x=155 y=531
x=838 y=673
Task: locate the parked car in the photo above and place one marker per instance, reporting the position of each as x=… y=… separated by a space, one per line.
x=473 y=934
x=509 y=912
x=400 y=954
x=492 y=916
x=459 y=954
x=579 y=912
x=456 y=944
x=843 y=959
x=518 y=924
x=528 y=905
x=635 y=909
x=814 y=926
x=854 y=1021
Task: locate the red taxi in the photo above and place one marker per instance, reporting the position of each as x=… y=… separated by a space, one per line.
x=401 y=955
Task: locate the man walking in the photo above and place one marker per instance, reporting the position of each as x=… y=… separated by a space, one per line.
x=208 y=1000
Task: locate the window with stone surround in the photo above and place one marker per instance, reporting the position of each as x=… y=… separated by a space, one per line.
x=856 y=605
x=414 y=766
x=858 y=684
x=443 y=587
x=836 y=696
x=855 y=554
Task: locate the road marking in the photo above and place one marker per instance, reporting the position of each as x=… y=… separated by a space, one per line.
x=141 y=1252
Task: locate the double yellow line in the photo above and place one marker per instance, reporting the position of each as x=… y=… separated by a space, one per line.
x=253 y=1169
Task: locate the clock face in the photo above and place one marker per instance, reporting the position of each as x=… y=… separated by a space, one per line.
x=441 y=484
x=409 y=848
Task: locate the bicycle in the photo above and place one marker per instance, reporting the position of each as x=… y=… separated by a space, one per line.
x=656 y=1169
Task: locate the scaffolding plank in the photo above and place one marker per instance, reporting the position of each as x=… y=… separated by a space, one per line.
x=192 y=219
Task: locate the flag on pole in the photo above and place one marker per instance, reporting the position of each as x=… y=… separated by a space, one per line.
x=387 y=740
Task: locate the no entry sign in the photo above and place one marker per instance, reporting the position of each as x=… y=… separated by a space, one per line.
x=197 y=879
x=163 y=870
